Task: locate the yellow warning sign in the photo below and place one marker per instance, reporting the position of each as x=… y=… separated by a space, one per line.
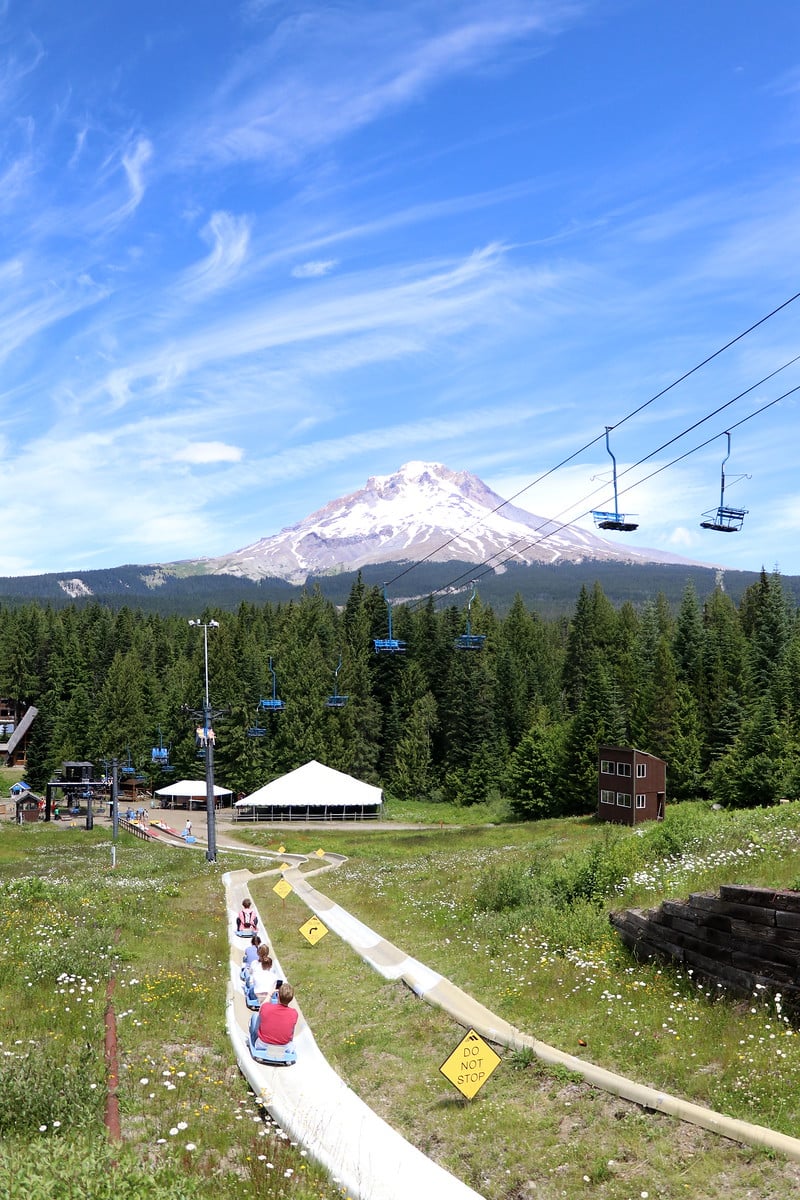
x=470 y=1064
x=284 y=866
x=283 y=888
x=313 y=930
x=320 y=853
x=281 y=849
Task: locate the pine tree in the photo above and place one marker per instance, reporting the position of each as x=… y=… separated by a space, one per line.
x=534 y=770
x=686 y=779
x=725 y=674
x=765 y=618
x=411 y=768
x=688 y=643
x=753 y=771
x=600 y=720
x=593 y=631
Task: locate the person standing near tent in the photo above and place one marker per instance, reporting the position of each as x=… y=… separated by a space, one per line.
x=187 y=829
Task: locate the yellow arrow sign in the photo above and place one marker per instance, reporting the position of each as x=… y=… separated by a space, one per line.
x=470 y=1064
x=281 y=849
x=283 y=888
x=320 y=853
x=313 y=930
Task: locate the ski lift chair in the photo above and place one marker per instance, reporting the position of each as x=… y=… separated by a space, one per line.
x=272 y=703
x=614 y=520
x=336 y=701
x=390 y=644
x=725 y=519
x=159 y=755
x=470 y=640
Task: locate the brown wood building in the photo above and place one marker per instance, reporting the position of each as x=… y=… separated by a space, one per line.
x=632 y=785
x=15 y=733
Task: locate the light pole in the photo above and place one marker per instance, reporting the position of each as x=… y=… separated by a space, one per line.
x=114 y=810
x=208 y=735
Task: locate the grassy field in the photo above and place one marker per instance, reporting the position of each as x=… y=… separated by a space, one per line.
x=190 y=1126
x=516 y=915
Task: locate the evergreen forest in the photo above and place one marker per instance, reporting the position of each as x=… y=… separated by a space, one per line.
x=713 y=687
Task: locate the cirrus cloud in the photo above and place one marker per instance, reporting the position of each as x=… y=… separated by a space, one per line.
x=209 y=452
x=314 y=269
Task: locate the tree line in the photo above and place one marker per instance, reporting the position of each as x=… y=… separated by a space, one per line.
x=714 y=688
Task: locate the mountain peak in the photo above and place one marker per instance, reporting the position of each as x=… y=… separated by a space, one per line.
x=423 y=510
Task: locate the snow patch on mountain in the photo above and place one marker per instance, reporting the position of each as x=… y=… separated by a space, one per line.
x=424 y=510
x=75 y=588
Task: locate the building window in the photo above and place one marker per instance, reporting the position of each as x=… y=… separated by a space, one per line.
x=606 y=797
x=641 y=770
x=623 y=800
x=623 y=768
x=606 y=767
x=641 y=800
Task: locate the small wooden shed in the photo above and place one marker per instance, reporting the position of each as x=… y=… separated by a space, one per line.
x=632 y=785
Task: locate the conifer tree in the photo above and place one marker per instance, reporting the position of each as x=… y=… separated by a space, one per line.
x=600 y=720
x=688 y=643
x=534 y=770
x=411 y=776
x=754 y=769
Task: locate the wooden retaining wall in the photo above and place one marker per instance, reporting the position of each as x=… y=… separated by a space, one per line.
x=747 y=939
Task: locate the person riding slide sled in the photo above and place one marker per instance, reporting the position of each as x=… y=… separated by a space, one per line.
x=262 y=980
x=272 y=1029
x=250 y=956
x=247 y=918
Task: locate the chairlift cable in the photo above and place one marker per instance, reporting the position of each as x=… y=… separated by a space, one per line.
x=634 y=412
x=663 y=467
x=492 y=566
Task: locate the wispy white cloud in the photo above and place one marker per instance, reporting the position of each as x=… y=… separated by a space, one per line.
x=398 y=56
x=439 y=300
x=314 y=269
x=229 y=238
x=80 y=142
x=787 y=83
x=26 y=312
x=303 y=461
x=17 y=63
x=209 y=452
x=134 y=160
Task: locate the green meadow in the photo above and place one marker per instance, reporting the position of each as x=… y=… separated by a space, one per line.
x=516 y=914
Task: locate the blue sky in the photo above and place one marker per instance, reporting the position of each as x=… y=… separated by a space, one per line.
x=253 y=253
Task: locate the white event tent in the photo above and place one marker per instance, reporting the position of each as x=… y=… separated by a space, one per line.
x=312 y=793
x=187 y=791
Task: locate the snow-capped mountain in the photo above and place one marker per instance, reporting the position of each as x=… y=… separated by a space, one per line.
x=422 y=511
